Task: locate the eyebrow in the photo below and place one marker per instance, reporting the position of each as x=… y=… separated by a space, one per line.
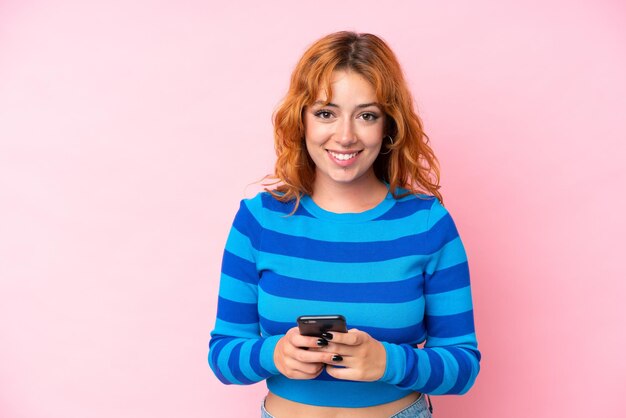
x=361 y=106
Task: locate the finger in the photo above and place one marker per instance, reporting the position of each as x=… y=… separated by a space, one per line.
x=334 y=359
x=308 y=369
x=293 y=362
x=313 y=356
x=358 y=374
x=352 y=337
x=302 y=375
x=343 y=360
x=344 y=373
x=341 y=349
x=298 y=340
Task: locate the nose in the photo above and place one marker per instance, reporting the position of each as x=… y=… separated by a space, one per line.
x=346 y=136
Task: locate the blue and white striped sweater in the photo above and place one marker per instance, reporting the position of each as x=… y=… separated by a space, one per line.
x=397 y=271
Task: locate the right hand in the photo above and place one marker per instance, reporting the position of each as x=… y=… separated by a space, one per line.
x=295 y=362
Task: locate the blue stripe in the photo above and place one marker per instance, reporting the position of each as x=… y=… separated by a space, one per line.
x=413 y=334
x=216 y=345
x=383 y=292
x=255 y=363
x=451 y=254
x=391 y=270
x=354 y=252
x=425 y=368
x=325 y=377
x=436 y=371
x=449 y=326
x=238 y=330
x=236 y=290
x=441 y=233
x=247 y=224
x=374 y=314
x=412 y=372
x=442 y=342
x=270 y=327
x=223 y=358
x=344 y=252
x=233 y=365
x=437 y=211
x=450 y=303
x=317 y=229
x=275 y=205
x=450 y=370
x=474 y=351
x=236 y=312
x=244 y=361
x=239 y=268
x=447 y=279
x=340 y=393
x=239 y=245
x=465 y=367
x=408 y=207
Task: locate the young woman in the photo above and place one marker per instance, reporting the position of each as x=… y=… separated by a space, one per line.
x=355 y=226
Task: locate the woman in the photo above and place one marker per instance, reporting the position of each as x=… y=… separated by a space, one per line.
x=355 y=227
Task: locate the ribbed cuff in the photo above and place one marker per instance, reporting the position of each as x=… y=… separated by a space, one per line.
x=396 y=363
x=267 y=353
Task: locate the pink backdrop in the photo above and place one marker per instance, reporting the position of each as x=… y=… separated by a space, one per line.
x=130 y=130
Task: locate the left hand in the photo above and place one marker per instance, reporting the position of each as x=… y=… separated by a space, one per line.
x=364 y=358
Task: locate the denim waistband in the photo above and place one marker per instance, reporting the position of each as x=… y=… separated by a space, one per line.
x=418 y=409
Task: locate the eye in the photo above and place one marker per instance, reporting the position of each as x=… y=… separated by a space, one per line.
x=323 y=114
x=369 y=117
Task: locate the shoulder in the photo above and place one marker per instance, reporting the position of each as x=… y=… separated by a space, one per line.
x=409 y=204
x=264 y=204
x=440 y=221
x=406 y=195
x=422 y=200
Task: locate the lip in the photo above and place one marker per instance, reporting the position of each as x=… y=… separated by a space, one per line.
x=344 y=152
x=343 y=163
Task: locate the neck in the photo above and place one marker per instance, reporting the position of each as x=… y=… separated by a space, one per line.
x=353 y=197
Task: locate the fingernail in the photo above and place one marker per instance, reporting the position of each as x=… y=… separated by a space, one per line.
x=327 y=336
x=337 y=357
x=322 y=342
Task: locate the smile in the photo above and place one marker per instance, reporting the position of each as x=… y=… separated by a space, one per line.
x=343 y=156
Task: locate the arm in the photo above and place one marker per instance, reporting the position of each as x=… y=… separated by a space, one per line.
x=237 y=352
x=449 y=361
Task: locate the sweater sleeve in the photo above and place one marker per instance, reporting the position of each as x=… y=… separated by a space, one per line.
x=238 y=354
x=449 y=361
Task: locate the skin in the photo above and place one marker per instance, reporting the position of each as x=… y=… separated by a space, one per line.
x=364 y=358
x=352 y=122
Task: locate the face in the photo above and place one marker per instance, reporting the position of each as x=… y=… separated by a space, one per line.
x=344 y=137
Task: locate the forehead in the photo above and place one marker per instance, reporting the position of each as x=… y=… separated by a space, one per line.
x=346 y=86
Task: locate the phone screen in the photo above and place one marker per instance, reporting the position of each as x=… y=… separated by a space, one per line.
x=316 y=325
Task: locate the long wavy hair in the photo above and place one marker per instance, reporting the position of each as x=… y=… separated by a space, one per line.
x=410 y=162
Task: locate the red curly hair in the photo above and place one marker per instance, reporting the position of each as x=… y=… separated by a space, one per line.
x=410 y=164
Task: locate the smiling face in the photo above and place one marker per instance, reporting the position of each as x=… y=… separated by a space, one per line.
x=344 y=137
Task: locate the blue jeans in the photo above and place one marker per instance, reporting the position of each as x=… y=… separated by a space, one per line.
x=418 y=409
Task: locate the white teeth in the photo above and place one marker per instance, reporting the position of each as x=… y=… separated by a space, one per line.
x=343 y=157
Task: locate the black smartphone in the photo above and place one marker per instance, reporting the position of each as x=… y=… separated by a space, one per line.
x=316 y=325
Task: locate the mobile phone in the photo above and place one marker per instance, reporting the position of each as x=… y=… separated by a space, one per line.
x=316 y=325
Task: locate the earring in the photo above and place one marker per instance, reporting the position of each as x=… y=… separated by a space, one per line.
x=391 y=143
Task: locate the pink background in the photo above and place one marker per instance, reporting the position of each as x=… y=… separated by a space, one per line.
x=131 y=130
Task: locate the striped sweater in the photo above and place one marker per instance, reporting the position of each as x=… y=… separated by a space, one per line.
x=397 y=271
